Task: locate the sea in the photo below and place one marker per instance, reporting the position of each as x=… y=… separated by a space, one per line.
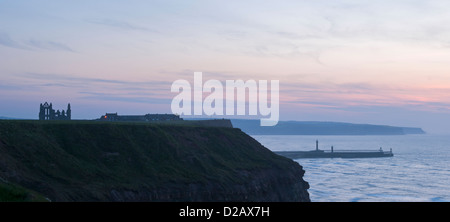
x=419 y=171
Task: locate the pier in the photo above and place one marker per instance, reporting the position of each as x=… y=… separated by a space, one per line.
x=317 y=153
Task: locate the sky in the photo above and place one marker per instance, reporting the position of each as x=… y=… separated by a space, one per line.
x=378 y=62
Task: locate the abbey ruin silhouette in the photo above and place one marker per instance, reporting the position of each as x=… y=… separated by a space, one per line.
x=47 y=112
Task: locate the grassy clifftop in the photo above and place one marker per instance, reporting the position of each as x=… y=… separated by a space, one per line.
x=93 y=161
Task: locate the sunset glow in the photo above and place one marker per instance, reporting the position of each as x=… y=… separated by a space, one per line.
x=380 y=62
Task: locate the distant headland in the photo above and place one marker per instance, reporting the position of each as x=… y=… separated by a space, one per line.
x=252 y=127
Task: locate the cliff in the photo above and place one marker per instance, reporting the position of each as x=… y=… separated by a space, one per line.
x=94 y=161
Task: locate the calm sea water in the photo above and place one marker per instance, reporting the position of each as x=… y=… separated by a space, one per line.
x=419 y=170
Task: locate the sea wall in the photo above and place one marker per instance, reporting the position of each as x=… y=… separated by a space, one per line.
x=95 y=161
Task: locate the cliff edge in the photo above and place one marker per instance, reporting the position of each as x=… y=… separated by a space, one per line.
x=92 y=161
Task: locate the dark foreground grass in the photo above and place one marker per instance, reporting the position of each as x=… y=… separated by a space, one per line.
x=15 y=193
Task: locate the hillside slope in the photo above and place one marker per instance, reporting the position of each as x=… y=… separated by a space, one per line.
x=92 y=161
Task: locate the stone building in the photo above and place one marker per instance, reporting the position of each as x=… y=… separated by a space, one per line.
x=139 y=118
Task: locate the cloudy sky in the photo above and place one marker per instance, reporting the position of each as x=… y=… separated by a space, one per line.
x=379 y=62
